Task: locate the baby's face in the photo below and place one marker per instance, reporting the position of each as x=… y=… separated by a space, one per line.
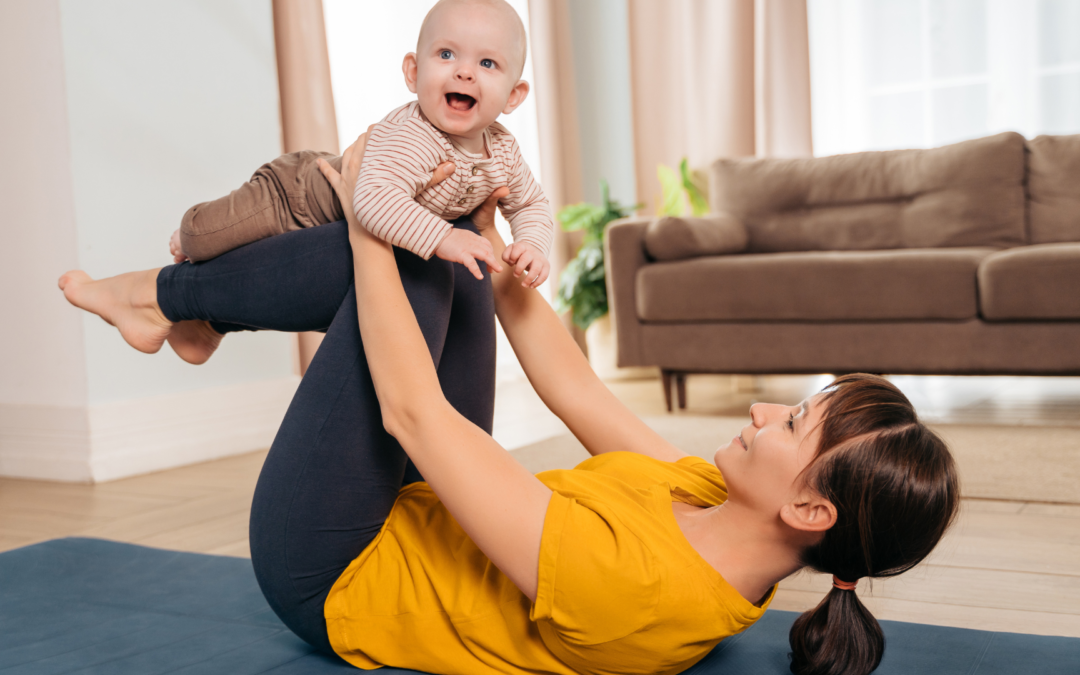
x=466 y=70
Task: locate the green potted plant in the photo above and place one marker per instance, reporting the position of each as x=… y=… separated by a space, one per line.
x=582 y=288
x=582 y=285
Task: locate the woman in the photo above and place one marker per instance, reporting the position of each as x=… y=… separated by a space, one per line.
x=640 y=560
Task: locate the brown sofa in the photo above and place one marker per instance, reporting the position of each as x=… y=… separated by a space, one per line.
x=963 y=259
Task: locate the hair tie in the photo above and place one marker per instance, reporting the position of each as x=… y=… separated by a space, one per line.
x=844 y=585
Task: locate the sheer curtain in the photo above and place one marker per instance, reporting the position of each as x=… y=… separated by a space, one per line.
x=717 y=78
x=307 y=102
x=892 y=74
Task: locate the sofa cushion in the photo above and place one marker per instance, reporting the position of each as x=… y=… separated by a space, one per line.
x=924 y=284
x=1031 y=282
x=1054 y=189
x=675 y=238
x=966 y=194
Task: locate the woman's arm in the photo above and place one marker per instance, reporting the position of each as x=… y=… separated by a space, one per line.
x=557 y=369
x=499 y=504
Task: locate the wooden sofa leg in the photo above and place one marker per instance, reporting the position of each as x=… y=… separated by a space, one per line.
x=680 y=385
x=665 y=381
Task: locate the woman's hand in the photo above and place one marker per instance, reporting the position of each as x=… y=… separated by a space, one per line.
x=344 y=183
x=484 y=215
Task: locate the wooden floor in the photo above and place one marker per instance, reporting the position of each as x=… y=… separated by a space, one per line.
x=1006 y=565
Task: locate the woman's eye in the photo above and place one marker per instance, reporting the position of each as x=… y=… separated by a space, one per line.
x=445 y=54
x=791 y=422
x=484 y=62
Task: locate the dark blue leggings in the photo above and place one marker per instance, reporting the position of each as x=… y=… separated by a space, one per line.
x=333 y=473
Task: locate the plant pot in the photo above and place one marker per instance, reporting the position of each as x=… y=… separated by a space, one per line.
x=600 y=338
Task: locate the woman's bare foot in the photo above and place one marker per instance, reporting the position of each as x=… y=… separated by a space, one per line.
x=127 y=301
x=194 y=341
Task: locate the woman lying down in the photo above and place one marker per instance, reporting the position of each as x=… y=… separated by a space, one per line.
x=639 y=560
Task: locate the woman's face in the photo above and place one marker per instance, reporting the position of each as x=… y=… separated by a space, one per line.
x=762 y=464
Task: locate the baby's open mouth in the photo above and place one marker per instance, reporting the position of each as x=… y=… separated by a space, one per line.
x=460 y=102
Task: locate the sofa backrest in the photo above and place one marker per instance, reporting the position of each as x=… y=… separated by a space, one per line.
x=1054 y=189
x=966 y=194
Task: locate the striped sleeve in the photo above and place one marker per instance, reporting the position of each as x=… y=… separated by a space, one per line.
x=398 y=163
x=526 y=208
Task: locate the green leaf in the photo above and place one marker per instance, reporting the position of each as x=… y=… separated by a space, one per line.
x=592 y=306
x=582 y=284
x=698 y=205
x=671 y=192
x=582 y=216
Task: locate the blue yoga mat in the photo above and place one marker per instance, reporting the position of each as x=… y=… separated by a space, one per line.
x=91 y=606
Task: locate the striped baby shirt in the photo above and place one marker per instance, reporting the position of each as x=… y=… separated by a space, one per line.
x=403 y=150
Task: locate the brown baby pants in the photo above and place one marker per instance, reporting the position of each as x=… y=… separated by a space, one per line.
x=289 y=193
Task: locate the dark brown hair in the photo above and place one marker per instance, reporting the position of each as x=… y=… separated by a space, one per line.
x=895 y=489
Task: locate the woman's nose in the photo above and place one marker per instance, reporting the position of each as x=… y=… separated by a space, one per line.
x=759 y=413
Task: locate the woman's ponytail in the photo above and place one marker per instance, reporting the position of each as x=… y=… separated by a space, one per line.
x=838 y=637
x=895 y=489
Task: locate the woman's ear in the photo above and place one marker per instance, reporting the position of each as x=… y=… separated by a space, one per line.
x=408 y=67
x=809 y=512
x=517 y=96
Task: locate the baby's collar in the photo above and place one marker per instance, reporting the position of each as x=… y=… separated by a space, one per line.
x=452 y=147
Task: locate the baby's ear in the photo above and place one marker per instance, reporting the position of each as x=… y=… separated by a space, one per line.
x=408 y=68
x=517 y=96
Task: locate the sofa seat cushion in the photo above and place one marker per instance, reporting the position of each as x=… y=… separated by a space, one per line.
x=1031 y=282
x=922 y=284
x=965 y=194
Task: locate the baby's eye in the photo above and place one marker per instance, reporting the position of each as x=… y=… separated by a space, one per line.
x=445 y=54
x=791 y=421
x=483 y=63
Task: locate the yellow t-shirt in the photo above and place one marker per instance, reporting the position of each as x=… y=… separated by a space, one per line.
x=620 y=590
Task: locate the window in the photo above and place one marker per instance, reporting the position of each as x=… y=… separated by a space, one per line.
x=889 y=74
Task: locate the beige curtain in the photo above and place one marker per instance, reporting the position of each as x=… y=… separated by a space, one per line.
x=308 y=121
x=556 y=108
x=717 y=78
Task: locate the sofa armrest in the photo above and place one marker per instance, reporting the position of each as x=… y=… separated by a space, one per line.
x=624 y=255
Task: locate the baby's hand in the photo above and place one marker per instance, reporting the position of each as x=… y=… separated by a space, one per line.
x=174 y=248
x=528 y=261
x=465 y=247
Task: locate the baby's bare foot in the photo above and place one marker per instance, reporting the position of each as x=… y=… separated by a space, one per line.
x=194 y=341
x=127 y=301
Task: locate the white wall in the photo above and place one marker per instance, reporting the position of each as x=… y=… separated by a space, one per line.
x=37 y=221
x=121 y=115
x=170 y=103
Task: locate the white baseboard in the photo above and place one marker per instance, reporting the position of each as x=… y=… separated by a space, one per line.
x=46 y=442
x=128 y=438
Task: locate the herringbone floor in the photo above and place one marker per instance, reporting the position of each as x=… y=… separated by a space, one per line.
x=1016 y=564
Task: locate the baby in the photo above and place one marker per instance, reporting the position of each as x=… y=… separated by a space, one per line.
x=465 y=73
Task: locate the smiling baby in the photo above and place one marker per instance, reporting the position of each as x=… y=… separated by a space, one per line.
x=465 y=72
